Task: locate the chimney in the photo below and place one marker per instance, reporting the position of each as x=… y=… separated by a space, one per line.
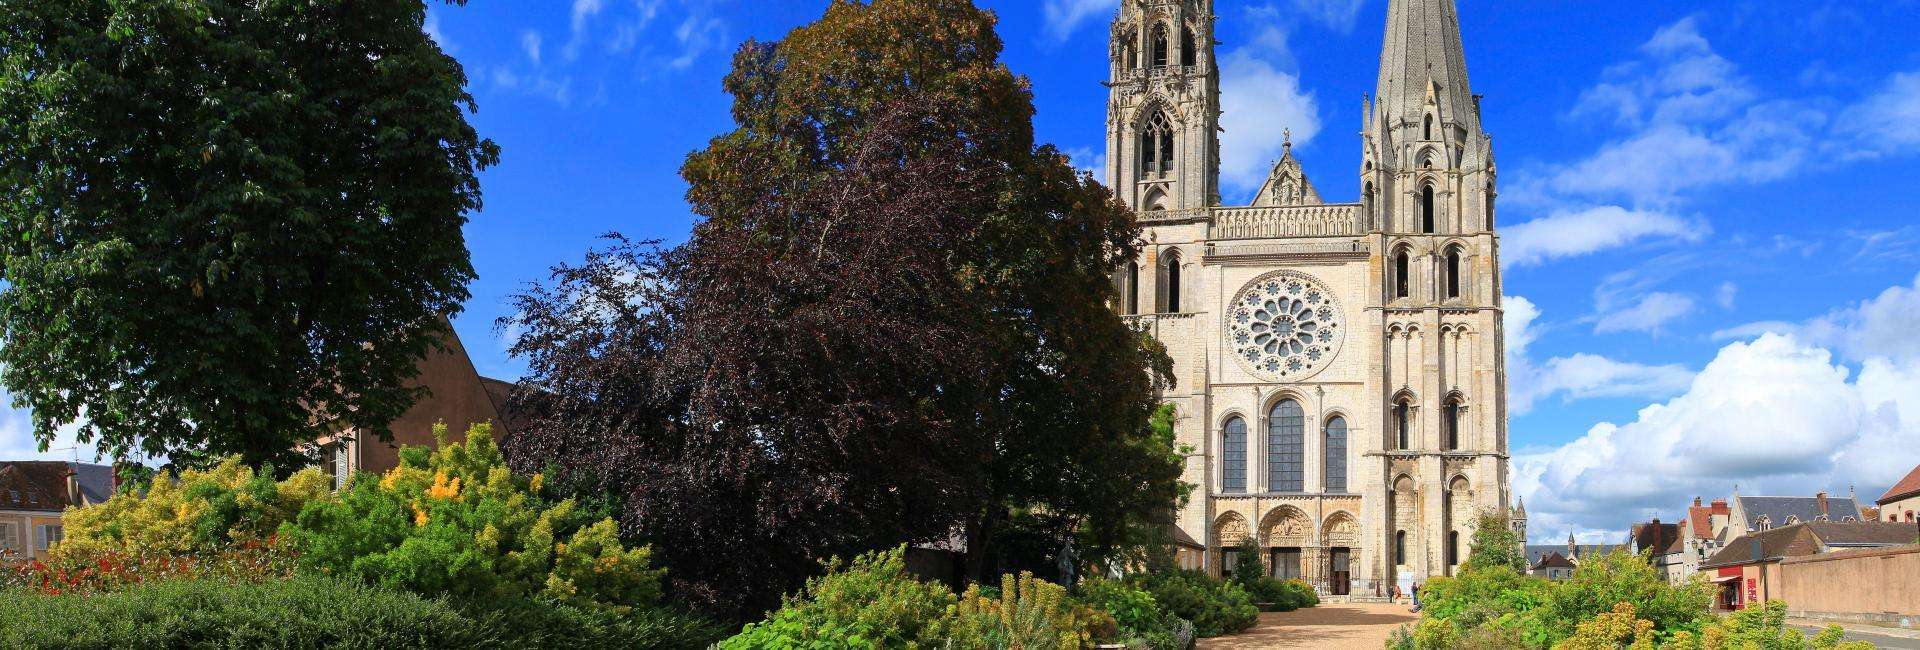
x=1696 y=502
x=1822 y=496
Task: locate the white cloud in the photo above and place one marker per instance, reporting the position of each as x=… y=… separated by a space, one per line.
x=1726 y=295
x=583 y=12
x=627 y=34
x=17 y=441
x=1578 y=376
x=433 y=31
x=1090 y=160
x=1261 y=99
x=1581 y=231
x=1338 y=15
x=1889 y=120
x=1877 y=328
x=1064 y=16
x=530 y=45
x=1651 y=313
x=1774 y=415
x=696 y=36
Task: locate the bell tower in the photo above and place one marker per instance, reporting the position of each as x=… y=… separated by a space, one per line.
x=1163 y=110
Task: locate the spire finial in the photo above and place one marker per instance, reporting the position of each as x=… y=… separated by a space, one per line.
x=1287 y=136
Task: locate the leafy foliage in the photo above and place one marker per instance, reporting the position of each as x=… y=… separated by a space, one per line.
x=454 y=520
x=1762 y=628
x=1611 y=631
x=1139 y=616
x=1496 y=543
x=1214 y=606
x=201 y=512
x=930 y=346
x=1599 y=584
x=869 y=602
x=1608 y=598
x=1028 y=614
x=82 y=570
x=218 y=239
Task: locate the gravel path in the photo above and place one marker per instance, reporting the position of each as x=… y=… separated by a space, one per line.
x=1359 y=626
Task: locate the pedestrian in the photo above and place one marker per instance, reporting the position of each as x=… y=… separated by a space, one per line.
x=1416 y=598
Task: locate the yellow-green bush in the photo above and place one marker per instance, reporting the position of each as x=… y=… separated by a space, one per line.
x=1028 y=614
x=201 y=511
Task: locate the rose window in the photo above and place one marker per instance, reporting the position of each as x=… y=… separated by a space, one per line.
x=1284 y=326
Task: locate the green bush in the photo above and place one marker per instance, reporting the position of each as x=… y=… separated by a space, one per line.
x=1027 y=613
x=870 y=602
x=300 y=612
x=1141 y=619
x=1621 y=577
x=1494 y=606
x=1214 y=606
x=200 y=512
x=544 y=623
x=454 y=520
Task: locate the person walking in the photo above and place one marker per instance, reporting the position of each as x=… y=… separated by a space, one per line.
x=1416 y=598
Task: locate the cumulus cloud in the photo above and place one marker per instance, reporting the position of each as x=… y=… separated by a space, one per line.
x=1574 y=232
x=1261 y=100
x=1877 y=328
x=1774 y=415
x=1064 y=16
x=696 y=36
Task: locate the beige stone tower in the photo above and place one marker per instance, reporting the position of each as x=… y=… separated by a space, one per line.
x=1339 y=367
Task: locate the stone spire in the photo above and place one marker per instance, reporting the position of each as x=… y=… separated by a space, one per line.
x=1423 y=59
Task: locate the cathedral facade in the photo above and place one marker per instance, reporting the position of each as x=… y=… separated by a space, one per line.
x=1339 y=370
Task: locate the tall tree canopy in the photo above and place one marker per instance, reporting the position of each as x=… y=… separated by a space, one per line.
x=228 y=226
x=892 y=324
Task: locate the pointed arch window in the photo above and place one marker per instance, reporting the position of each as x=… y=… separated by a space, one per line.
x=1366 y=210
x=1489 y=198
x=1159 y=44
x=1453 y=272
x=1156 y=144
x=1287 y=447
x=1189 y=50
x=1426 y=209
x=1402 y=264
x=1233 y=457
x=1450 y=425
x=1453 y=548
x=1403 y=424
x=1400 y=547
x=1173 y=284
x=1132 y=55
x=1429 y=129
x=1335 y=473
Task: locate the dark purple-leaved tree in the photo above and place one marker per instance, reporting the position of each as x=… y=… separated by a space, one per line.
x=891 y=326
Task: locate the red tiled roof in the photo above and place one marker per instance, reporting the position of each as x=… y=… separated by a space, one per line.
x=1907 y=487
x=33 y=485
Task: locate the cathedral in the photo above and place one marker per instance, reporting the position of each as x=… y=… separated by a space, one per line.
x=1339 y=372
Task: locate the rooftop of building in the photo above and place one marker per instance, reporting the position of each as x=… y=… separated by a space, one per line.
x=1903 y=489
x=1812 y=538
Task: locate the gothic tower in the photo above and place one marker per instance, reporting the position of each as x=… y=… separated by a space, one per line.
x=1163 y=113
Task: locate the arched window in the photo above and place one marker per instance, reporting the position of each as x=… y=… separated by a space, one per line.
x=1429 y=129
x=1159 y=45
x=1402 y=262
x=1233 y=457
x=1133 y=289
x=1489 y=198
x=1453 y=548
x=1366 y=210
x=1426 y=209
x=1156 y=145
x=1170 y=280
x=1453 y=272
x=1403 y=424
x=1133 y=56
x=1336 y=456
x=1188 y=48
x=1287 y=447
x=1450 y=425
x=1400 y=547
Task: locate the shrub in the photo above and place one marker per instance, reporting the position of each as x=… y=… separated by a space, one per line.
x=545 y=623
x=870 y=602
x=86 y=570
x=1610 y=631
x=1763 y=628
x=201 y=511
x=1214 y=606
x=1599 y=584
x=1027 y=614
x=1141 y=619
x=301 y=612
x=454 y=520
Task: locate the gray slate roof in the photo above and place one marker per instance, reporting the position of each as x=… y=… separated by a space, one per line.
x=96 y=481
x=1802 y=509
x=1536 y=552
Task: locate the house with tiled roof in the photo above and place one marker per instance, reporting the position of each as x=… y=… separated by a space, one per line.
x=1901 y=501
x=1552 y=566
x=457 y=395
x=1763 y=513
x=35 y=494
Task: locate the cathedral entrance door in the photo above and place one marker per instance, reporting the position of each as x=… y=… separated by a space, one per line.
x=1338 y=562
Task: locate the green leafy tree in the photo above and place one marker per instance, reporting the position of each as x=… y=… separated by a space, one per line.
x=1600 y=583
x=1496 y=543
x=227 y=226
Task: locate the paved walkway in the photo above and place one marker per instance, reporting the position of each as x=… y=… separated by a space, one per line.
x=1360 y=626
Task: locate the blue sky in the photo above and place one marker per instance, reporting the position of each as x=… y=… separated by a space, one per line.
x=1708 y=208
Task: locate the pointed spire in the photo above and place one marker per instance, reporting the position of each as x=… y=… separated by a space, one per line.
x=1423 y=58
x=1521 y=510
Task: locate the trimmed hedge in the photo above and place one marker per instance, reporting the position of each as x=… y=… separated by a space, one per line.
x=301 y=612
x=324 y=612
